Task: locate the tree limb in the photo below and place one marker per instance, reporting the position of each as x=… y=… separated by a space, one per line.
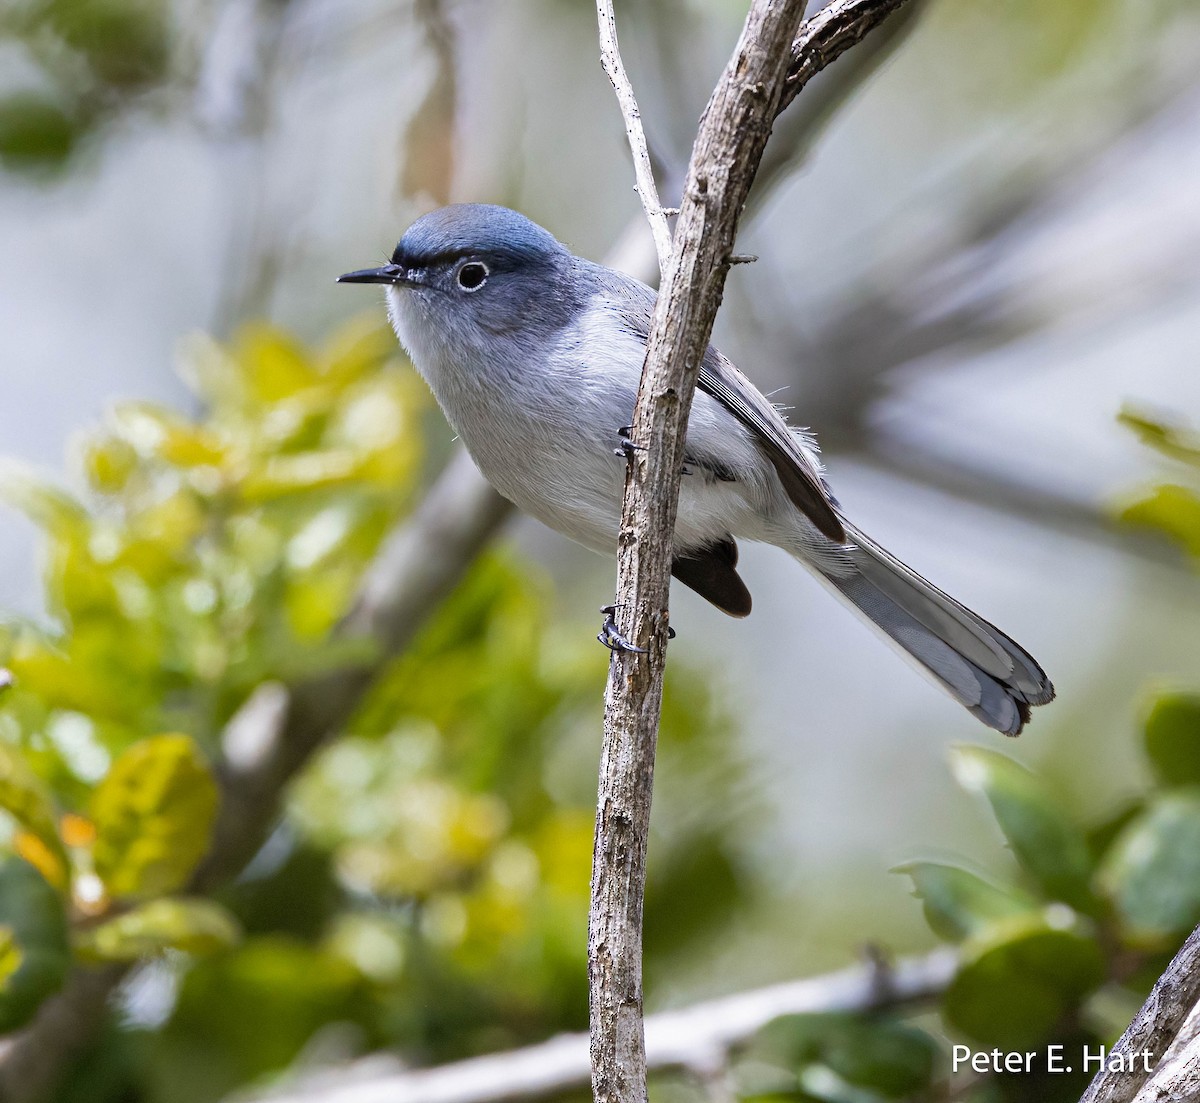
x=1177 y=1077
x=692 y=1038
x=1153 y=1030
x=828 y=35
x=732 y=136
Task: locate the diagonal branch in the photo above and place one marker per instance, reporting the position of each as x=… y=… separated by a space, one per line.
x=1153 y=1031
x=828 y=35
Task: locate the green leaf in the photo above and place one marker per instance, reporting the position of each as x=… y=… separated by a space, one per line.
x=192 y=925
x=1049 y=847
x=46 y=506
x=1017 y=982
x=34 y=954
x=1173 y=738
x=153 y=813
x=285 y=989
x=890 y=1058
x=36 y=134
x=1102 y=835
x=1171 y=510
x=1171 y=440
x=24 y=797
x=959 y=903
x=124 y=41
x=1152 y=871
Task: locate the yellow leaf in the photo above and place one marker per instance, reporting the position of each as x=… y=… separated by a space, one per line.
x=275 y=364
x=28 y=846
x=26 y=799
x=191 y=925
x=108 y=461
x=301 y=471
x=10 y=953
x=77 y=830
x=361 y=346
x=153 y=813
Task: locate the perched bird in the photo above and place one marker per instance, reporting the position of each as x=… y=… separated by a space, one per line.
x=535 y=356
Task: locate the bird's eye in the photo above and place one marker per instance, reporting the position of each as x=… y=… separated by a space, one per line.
x=472 y=275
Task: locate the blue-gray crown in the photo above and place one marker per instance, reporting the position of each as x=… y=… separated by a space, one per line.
x=452 y=232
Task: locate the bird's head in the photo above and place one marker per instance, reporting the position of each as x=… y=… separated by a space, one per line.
x=468 y=274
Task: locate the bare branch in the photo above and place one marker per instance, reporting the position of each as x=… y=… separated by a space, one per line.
x=1177 y=1077
x=647 y=189
x=1153 y=1030
x=828 y=35
x=32 y=1061
x=772 y=52
x=413 y=573
x=697 y=1038
x=728 y=147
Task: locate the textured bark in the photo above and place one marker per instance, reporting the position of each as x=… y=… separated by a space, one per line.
x=732 y=136
x=774 y=59
x=1155 y=1029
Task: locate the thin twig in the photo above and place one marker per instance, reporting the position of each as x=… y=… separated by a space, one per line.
x=697 y=1037
x=647 y=189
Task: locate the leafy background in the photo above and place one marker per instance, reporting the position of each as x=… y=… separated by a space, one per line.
x=181 y=182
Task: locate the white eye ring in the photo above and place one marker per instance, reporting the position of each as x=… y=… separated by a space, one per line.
x=472 y=275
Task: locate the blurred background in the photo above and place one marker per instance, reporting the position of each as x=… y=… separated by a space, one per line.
x=976 y=245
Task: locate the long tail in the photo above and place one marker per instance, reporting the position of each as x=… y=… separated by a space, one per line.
x=994 y=677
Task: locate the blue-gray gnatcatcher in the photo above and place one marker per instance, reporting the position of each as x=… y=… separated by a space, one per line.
x=535 y=356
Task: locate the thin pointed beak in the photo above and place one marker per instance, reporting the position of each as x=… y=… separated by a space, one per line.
x=389 y=273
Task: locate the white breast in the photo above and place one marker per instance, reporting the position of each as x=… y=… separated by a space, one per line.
x=544 y=432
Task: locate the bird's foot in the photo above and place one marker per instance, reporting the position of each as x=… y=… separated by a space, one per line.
x=610 y=634
x=627 y=446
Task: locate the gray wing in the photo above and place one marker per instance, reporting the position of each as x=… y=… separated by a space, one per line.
x=633 y=302
x=799 y=475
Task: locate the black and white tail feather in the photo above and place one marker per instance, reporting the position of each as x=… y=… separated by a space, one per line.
x=995 y=678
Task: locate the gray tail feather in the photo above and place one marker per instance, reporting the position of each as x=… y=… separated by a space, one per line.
x=982 y=668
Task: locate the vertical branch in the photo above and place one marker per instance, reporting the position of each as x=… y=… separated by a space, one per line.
x=774 y=59
x=729 y=145
x=647 y=189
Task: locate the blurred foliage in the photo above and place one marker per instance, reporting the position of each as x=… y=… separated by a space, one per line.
x=427 y=888
x=80 y=62
x=1063 y=951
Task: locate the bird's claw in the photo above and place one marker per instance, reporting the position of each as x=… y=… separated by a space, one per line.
x=627 y=446
x=610 y=634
